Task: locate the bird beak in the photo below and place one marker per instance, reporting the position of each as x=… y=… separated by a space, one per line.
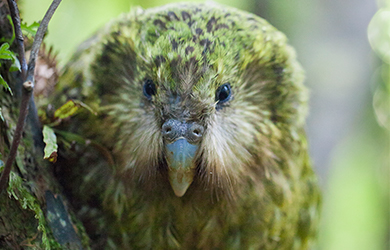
x=181 y=167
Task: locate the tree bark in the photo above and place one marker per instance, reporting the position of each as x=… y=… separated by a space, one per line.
x=33 y=213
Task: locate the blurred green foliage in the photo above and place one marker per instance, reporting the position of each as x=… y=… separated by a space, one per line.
x=356 y=192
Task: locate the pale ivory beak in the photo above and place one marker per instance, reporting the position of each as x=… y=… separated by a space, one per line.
x=181 y=167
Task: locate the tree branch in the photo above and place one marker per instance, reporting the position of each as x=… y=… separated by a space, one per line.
x=28 y=80
x=39 y=37
x=13 y=8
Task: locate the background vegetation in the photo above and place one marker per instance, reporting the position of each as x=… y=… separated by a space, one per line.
x=345 y=48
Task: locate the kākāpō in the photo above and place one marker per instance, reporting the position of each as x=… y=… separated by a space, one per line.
x=199 y=141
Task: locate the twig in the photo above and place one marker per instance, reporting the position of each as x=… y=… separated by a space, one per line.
x=13 y=8
x=28 y=80
x=39 y=37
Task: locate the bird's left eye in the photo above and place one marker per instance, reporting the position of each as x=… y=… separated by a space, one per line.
x=223 y=93
x=149 y=89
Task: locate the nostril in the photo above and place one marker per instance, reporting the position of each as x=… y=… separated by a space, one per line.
x=173 y=129
x=196 y=132
x=167 y=130
x=170 y=129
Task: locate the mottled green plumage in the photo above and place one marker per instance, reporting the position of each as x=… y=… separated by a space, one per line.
x=253 y=186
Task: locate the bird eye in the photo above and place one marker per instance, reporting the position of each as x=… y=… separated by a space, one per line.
x=223 y=93
x=149 y=89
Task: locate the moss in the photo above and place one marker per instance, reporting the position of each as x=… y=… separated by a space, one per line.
x=17 y=191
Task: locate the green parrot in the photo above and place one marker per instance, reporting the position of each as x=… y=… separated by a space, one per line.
x=199 y=141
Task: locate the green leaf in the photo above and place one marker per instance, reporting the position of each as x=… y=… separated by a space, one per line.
x=1 y=117
x=13 y=29
x=30 y=29
x=70 y=108
x=5 y=53
x=83 y=105
x=15 y=66
x=51 y=147
x=4 y=83
x=71 y=137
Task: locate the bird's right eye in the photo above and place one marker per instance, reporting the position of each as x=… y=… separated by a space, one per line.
x=223 y=94
x=149 y=89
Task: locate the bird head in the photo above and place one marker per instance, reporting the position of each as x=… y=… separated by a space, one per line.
x=196 y=92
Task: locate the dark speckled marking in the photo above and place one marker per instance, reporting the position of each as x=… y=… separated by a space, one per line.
x=160 y=24
x=105 y=59
x=189 y=50
x=190 y=23
x=185 y=15
x=206 y=44
x=278 y=71
x=172 y=16
x=199 y=31
x=221 y=26
x=174 y=45
x=158 y=60
x=197 y=10
x=117 y=33
x=210 y=24
x=106 y=55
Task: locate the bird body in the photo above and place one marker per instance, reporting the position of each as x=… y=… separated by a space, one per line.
x=201 y=109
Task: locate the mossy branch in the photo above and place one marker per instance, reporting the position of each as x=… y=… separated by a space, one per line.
x=27 y=75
